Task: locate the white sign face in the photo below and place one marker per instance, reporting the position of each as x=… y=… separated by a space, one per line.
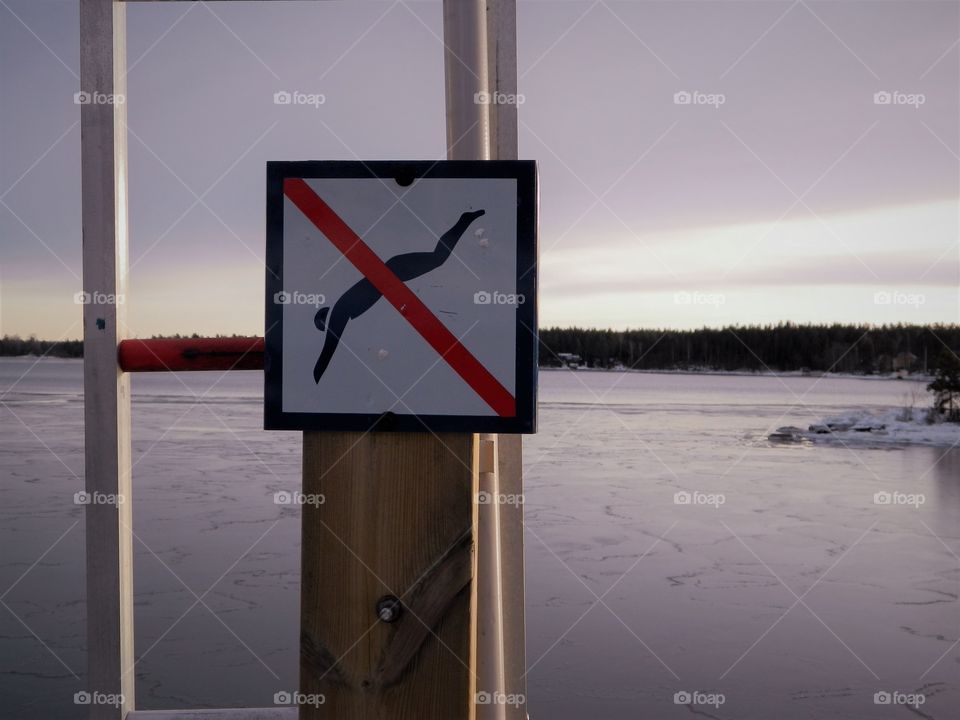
x=401 y=296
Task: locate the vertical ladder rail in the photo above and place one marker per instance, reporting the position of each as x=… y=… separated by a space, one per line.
x=501 y=17
x=109 y=544
x=481 y=59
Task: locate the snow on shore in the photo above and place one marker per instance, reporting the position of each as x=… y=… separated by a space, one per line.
x=895 y=426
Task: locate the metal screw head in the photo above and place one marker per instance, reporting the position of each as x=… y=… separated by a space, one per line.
x=389 y=608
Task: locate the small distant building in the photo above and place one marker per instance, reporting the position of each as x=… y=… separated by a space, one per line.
x=570 y=360
x=905 y=361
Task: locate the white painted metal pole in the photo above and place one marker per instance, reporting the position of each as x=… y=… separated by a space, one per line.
x=103 y=153
x=465 y=73
x=468 y=138
x=491 y=648
x=502 y=79
x=480 y=62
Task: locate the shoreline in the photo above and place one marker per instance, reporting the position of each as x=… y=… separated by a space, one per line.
x=913 y=377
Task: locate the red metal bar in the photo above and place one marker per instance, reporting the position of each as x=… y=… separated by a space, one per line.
x=244 y=353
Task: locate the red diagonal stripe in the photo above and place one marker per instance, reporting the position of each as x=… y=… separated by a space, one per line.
x=401 y=297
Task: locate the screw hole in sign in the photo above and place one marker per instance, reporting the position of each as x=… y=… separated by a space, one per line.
x=405 y=177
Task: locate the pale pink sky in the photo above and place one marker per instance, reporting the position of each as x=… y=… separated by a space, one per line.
x=798 y=198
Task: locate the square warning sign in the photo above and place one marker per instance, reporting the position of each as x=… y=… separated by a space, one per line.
x=401 y=296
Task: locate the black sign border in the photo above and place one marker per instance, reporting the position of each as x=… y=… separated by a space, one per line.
x=405 y=172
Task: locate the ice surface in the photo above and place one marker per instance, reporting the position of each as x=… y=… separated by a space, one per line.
x=658 y=494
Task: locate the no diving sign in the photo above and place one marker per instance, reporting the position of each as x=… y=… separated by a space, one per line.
x=401 y=296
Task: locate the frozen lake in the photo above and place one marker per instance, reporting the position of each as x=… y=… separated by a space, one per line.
x=782 y=588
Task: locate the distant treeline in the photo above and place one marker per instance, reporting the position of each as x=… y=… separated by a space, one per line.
x=13 y=345
x=837 y=348
x=819 y=348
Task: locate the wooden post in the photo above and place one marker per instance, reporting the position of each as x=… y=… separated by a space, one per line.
x=109 y=541
x=387 y=514
x=398 y=515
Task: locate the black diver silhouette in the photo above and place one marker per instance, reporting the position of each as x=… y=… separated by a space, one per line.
x=363 y=295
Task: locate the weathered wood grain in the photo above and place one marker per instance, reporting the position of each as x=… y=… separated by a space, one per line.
x=396 y=519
